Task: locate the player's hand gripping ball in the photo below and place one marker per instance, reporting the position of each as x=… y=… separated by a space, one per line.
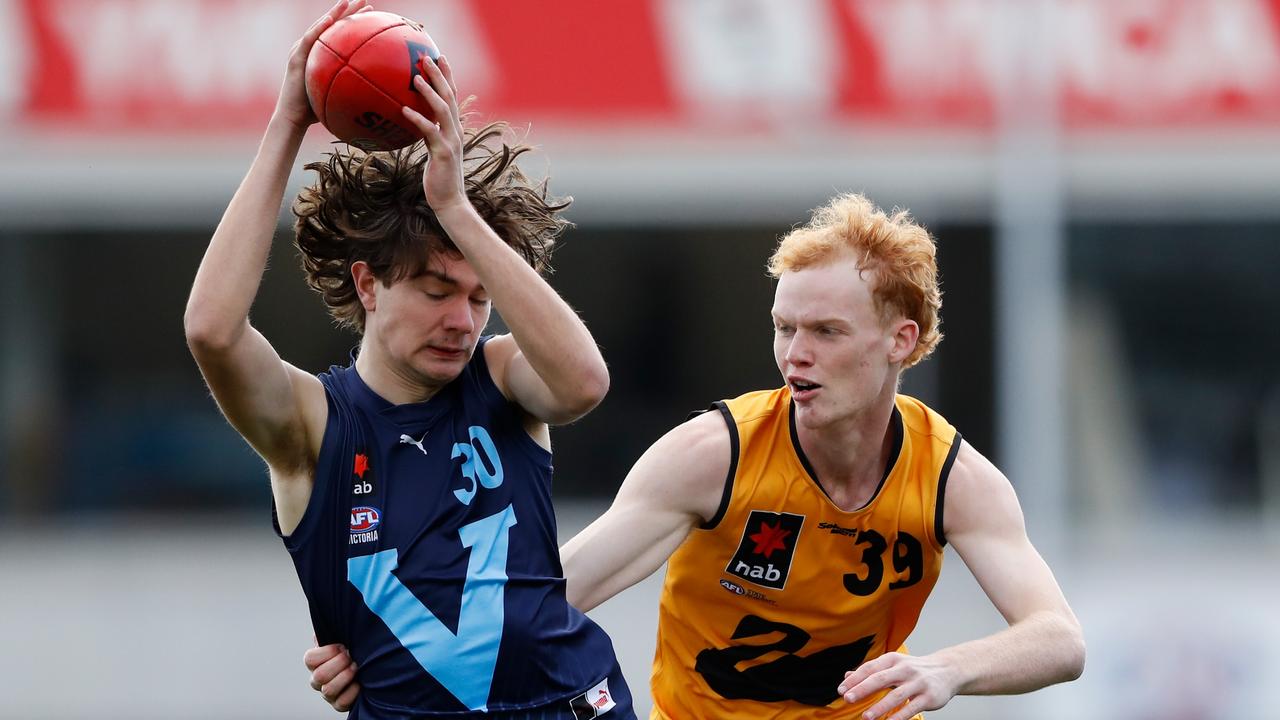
x=359 y=74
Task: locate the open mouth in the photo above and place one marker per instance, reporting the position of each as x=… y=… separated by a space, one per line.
x=799 y=387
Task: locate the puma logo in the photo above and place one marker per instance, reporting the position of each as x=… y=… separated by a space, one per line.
x=406 y=440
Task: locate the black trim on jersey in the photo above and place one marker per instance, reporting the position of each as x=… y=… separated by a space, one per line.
x=895 y=422
x=795 y=443
x=942 y=488
x=734 y=446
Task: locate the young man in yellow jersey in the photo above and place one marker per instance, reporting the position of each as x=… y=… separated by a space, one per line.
x=804 y=526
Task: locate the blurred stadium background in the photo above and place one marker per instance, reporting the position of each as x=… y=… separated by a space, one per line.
x=1103 y=179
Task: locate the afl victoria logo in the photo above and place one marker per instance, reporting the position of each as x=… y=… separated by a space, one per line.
x=364 y=519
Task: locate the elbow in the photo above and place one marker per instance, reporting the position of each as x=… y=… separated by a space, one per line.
x=1076 y=666
x=588 y=392
x=1074 y=649
x=594 y=386
x=205 y=335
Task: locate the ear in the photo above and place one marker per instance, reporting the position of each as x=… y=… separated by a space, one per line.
x=905 y=334
x=366 y=285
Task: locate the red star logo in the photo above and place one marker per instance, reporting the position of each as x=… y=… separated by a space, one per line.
x=362 y=464
x=769 y=538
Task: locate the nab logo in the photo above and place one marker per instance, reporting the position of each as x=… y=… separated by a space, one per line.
x=364 y=519
x=767 y=546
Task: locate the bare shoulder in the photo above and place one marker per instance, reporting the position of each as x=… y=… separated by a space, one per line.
x=498 y=352
x=704 y=442
x=687 y=468
x=500 y=349
x=978 y=497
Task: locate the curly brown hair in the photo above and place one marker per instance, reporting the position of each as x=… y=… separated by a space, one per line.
x=370 y=206
x=900 y=252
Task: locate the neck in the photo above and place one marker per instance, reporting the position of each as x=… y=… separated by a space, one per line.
x=396 y=386
x=850 y=455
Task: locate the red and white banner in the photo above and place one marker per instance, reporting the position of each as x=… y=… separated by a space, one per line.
x=729 y=66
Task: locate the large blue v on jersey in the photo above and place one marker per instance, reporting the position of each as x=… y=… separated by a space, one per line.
x=429 y=549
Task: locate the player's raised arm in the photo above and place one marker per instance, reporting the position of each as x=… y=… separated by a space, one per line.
x=550 y=364
x=1043 y=644
x=264 y=398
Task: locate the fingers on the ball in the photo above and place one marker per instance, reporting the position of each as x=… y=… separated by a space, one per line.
x=443 y=102
x=335 y=11
x=419 y=120
x=447 y=69
x=440 y=109
x=439 y=82
x=426 y=128
x=423 y=86
x=313 y=32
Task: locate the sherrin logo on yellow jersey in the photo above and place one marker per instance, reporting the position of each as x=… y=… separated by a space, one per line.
x=768 y=544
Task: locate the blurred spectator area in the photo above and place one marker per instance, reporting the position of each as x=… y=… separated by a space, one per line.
x=122 y=419
x=1172 y=382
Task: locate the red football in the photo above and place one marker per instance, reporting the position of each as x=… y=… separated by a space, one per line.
x=360 y=73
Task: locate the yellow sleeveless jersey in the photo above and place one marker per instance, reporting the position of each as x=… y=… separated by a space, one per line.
x=766 y=606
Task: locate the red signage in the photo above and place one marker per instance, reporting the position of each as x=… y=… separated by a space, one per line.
x=724 y=66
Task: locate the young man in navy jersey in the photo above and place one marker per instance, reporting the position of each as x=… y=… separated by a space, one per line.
x=412 y=487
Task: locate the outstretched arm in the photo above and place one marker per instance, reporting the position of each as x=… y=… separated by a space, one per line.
x=550 y=364
x=271 y=403
x=675 y=486
x=1043 y=644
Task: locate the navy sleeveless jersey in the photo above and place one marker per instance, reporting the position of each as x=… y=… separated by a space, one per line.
x=429 y=549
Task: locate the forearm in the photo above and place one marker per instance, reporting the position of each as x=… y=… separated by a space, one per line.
x=232 y=268
x=1044 y=649
x=597 y=565
x=550 y=334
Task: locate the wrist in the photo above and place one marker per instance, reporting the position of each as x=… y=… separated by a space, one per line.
x=456 y=212
x=282 y=124
x=956 y=672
